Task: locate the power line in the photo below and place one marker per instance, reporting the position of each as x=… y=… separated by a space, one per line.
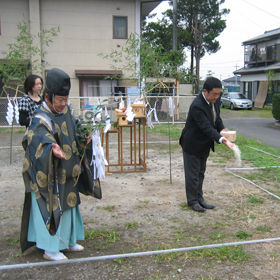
x=236 y=66
x=261 y=9
x=215 y=63
x=246 y=17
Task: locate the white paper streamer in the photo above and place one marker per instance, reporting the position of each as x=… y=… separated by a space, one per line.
x=128 y=106
x=16 y=111
x=129 y=114
x=98 y=114
x=149 y=119
x=107 y=122
x=10 y=112
x=170 y=106
x=139 y=101
x=121 y=104
x=155 y=112
x=98 y=160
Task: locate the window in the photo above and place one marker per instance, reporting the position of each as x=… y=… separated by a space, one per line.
x=119 y=27
x=95 y=89
x=261 y=52
x=248 y=90
x=270 y=53
x=250 y=53
x=277 y=52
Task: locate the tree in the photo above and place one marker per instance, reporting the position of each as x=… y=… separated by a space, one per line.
x=199 y=23
x=20 y=60
x=270 y=74
x=210 y=73
x=154 y=61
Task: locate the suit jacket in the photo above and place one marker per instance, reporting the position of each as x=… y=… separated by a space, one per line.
x=200 y=132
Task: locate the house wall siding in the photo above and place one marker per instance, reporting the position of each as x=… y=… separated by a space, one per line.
x=11 y=13
x=257 y=77
x=86 y=29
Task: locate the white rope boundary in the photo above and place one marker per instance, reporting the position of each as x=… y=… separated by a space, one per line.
x=139 y=254
x=254 y=168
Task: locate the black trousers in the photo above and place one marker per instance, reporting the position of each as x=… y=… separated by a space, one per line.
x=194 y=167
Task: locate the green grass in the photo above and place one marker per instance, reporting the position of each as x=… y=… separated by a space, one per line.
x=206 y=278
x=242 y=234
x=144 y=204
x=217 y=236
x=219 y=225
x=264 y=113
x=109 y=236
x=246 y=145
x=132 y=225
x=264 y=228
x=233 y=253
x=162 y=181
x=175 y=130
x=15 y=130
x=253 y=199
x=4 y=217
x=180 y=235
x=165 y=257
x=256 y=158
x=109 y=208
x=184 y=206
x=12 y=241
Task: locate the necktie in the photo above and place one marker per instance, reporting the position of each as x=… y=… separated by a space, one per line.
x=212 y=111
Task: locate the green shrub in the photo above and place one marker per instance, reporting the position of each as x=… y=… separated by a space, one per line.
x=276 y=106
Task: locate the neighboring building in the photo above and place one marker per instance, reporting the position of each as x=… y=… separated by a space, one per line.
x=88 y=28
x=232 y=84
x=261 y=54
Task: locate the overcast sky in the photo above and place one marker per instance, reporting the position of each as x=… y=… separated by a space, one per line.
x=247 y=19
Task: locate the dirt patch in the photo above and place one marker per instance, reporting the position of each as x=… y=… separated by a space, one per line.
x=142 y=212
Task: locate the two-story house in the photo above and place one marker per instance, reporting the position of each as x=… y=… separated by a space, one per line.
x=261 y=54
x=231 y=84
x=87 y=28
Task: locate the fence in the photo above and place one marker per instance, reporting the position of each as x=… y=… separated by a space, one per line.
x=85 y=106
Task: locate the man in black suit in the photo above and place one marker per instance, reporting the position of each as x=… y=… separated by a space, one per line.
x=202 y=128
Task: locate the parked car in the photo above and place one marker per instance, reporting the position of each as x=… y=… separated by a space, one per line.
x=236 y=100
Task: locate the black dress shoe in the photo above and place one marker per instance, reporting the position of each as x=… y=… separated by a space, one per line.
x=206 y=206
x=198 y=208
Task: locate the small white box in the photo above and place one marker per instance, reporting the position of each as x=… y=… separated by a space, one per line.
x=230 y=135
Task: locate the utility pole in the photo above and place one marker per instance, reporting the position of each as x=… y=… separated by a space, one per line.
x=174 y=48
x=175 y=33
x=236 y=75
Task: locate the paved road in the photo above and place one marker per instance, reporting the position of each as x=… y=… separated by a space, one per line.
x=261 y=129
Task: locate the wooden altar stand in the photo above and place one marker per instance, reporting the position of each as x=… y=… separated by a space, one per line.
x=123 y=160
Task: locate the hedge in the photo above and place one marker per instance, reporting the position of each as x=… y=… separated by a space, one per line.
x=276 y=106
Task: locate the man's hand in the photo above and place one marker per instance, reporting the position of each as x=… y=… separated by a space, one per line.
x=225 y=129
x=57 y=151
x=228 y=143
x=88 y=139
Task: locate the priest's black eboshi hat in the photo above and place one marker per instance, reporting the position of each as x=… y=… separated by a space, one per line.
x=58 y=82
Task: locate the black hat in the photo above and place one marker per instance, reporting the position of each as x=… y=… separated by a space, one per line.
x=58 y=82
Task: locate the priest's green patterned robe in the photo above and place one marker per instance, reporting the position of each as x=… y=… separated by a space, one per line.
x=54 y=183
